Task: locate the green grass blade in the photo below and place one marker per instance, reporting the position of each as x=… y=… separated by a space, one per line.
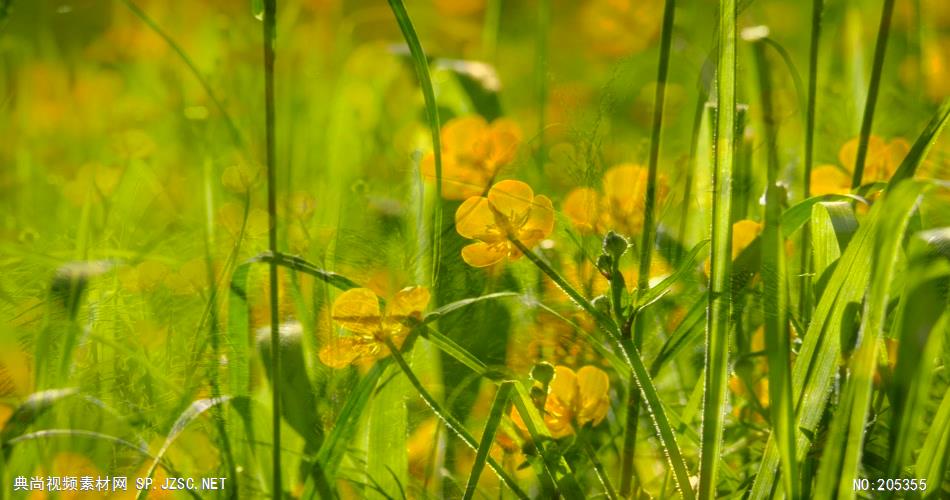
x=386 y=462
x=818 y=358
x=719 y=305
x=922 y=145
x=775 y=296
x=845 y=443
x=195 y=410
x=934 y=456
x=552 y=461
x=495 y=414
x=796 y=216
x=867 y=121
x=686 y=267
x=450 y=421
x=205 y=85
x=806 y=297
x=269 y=36
x=30 y=410
x=432 y=114
x=341 y=434
x=922 y=319
x=238 y=334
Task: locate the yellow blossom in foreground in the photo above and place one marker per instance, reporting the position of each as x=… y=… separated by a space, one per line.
x=574 y=400
x=472 y=153
x=618 y=207
x=881 y=162
x=357 y=310
x=511 y=211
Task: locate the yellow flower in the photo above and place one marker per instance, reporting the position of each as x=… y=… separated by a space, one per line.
x=881 y=162
x=574 y=400
x=472 y=153
x=620 y=207
x=621 y=27
x=511 y=211
x=357 y=310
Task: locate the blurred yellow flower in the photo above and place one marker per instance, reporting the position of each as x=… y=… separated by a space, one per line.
x=511 y=211
x=620 y=207
x=881 y=162
x=94 y=181
x=744 y=232
x=240 y=178
x=357 y=310
x=621 y=27
x=472 y=153
x=574 y=400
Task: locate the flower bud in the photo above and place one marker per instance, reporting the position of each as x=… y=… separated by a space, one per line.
x=615 y=245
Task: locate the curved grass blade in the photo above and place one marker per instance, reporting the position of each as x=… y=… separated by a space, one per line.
x=205 y=85
x=35 y=406
x=922 y=145
x=794 y=217
x=495 y=414
x=450 y=421
x=922 y=320
x=195 y=410
x=813 y=374
x=333 y=279
x=432 y=114
x=719 y=306
x=843 y=449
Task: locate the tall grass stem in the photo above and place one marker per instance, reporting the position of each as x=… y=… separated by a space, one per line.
x=874 y=86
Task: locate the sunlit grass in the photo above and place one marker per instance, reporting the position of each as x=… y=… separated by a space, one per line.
x=475 y=248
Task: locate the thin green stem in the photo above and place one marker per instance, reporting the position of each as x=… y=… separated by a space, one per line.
x=269 y=32
x=641 y=376
x=421 y=64
x=805 y=296
x=719 y=295
x=647 y=237
x=877 y=70
x=544 y=26
x=232 y=128
x=782 y=411
x=450 y=421
x=598 y=466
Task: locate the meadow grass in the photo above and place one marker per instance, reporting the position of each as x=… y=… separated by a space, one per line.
x=460 y=246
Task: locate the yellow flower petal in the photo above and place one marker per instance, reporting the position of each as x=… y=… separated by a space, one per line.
x=744 y=232
x=474 y=219
x=459 y=135
x=357 y=310
x=410 y=301
x=593 y=386
x=505 y=135
x=829 y=179
x=342 y=352
x=483 y=254
x=564 y=386
x=540 y=221
x=582 y=207
x=512 y=199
